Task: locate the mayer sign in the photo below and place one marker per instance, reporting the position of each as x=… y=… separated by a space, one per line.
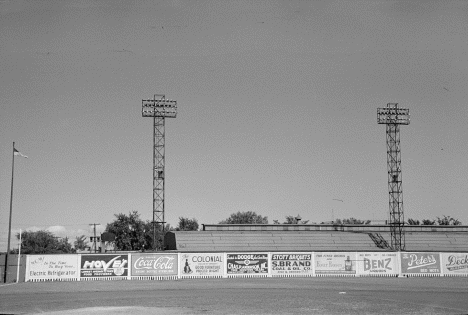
x=104 y=266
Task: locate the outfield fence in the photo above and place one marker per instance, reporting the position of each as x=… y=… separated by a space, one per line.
x=173 y=266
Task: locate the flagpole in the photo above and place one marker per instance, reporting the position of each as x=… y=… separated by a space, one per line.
x=11 y=211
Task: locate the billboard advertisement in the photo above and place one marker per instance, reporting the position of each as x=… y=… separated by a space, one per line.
x=154 y=265
x=420 y=263
x=52 y=267
x=291 y=264
x=330 y=263
x=378 y=264
x=247 y=263
x=104 y=265
x=202 y=264
x=454 y=264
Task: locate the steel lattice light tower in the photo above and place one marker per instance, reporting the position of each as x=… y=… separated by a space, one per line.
x=159 y=108
x=393 y=117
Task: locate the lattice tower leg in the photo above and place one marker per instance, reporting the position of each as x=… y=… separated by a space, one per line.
x=395 y=187
x=158 y=183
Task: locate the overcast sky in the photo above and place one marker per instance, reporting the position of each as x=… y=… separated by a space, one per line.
x=277 y=105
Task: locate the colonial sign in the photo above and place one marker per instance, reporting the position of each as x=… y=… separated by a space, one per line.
x=202 y=265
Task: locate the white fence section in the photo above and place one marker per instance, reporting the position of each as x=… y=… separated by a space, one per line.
x=173 y=265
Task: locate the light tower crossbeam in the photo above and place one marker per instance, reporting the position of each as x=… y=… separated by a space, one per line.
x=393 y=117
x=159 y=108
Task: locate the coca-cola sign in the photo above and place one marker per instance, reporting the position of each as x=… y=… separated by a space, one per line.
x=154 y=264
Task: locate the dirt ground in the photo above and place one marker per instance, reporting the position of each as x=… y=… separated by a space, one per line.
x=241 y=296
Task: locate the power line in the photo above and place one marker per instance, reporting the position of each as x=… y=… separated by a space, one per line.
x=39 y=225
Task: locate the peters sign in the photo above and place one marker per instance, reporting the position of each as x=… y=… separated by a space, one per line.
x=420 y=263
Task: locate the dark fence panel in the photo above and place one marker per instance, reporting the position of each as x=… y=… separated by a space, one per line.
x=12 y=268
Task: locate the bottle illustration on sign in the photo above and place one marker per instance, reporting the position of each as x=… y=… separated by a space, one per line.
x=348 y=264
x=187 y=268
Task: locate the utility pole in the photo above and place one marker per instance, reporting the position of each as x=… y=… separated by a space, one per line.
x=94 y=241
x=159 y=108
x=393 y=117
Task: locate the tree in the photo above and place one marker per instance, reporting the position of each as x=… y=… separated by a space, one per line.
x=292 y=220
x=44 y=242
x=248 y=217
x=131 y=233
x=352 y=221
x=447 y=220
x=80 y=243
x=64 y=246
x=186 y=224
x=413 y=222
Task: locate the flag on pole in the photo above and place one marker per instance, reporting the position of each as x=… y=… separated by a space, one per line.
x=16 y=152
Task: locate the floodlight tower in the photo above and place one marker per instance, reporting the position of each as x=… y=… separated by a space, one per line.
x=393 y=117
x=159 y=108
